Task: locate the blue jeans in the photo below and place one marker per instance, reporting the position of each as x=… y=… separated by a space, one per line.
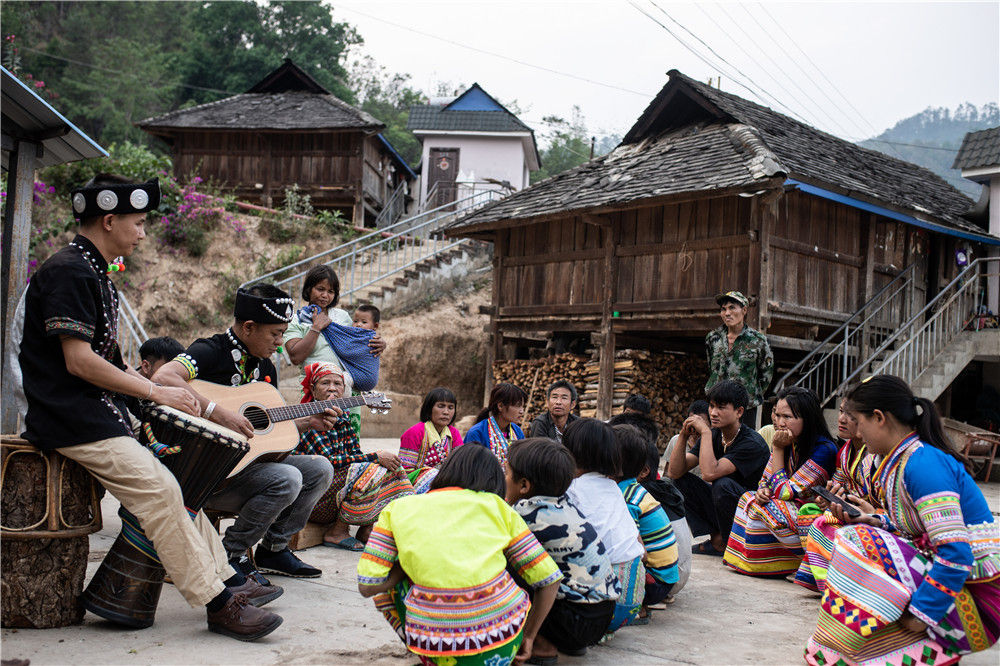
x=272 y=501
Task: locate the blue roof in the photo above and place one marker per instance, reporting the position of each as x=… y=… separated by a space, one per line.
x=475 y=99
x=399 y=157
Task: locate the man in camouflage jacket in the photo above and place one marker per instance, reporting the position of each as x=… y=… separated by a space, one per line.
x=736 y=351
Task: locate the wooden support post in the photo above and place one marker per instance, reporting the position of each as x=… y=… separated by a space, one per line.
x=494 y=349
x=16 y=233
x=867 y=282
x=765 y=215
x=606 y=378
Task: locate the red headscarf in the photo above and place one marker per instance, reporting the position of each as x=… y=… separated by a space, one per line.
x=313 y=373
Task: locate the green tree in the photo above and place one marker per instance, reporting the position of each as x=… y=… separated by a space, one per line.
x=232 y=45
x=568 y=145
x=388 y=97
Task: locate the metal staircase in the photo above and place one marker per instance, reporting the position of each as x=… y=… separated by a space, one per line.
x=373 y=264
x=872 y=340
x=131 y=334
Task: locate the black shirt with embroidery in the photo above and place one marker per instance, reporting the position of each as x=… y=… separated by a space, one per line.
x=223 y=359
x=70 y=295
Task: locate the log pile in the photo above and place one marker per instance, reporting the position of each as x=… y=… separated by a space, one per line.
x=535 y=376
x=671 y=381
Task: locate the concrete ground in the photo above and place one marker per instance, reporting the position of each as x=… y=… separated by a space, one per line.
x=720 y=618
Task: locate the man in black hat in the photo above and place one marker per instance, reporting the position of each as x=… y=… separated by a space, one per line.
x=272 y=500
x=736 y=351
x=74 y=384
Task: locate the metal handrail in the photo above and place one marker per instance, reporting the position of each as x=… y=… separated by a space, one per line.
x=135 y=334
x=832 y=354
x=393 y=207
x=920 y=347
x=352 y=247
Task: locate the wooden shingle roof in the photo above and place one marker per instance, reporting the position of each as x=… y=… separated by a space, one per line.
x=286 y=99
x=694 y=138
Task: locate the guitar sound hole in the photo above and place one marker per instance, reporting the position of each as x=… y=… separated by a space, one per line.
x=257 y=417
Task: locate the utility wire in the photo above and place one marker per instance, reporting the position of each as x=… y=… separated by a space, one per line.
x=912 y=145
x=115 y=71
x=705 y=60
x=713 y=51
x=493 y=53
x=864 y=118
x=795 y=83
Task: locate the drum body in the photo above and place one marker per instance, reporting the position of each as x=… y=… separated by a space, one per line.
x=126 y=587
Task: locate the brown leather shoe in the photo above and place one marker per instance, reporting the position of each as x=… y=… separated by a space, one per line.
x=239 y=620
x=257 y=594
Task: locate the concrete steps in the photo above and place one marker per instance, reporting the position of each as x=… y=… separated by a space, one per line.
x=946 y=366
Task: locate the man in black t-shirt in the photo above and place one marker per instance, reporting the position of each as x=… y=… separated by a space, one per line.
x=732 y=458
x=74 y=384
x=272 y=500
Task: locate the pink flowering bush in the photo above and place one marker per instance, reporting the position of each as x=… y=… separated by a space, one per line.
x=194 y=217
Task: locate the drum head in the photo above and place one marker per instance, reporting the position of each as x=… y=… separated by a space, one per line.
x=192 y=423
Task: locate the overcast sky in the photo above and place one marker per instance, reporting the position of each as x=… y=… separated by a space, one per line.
x=889 y=60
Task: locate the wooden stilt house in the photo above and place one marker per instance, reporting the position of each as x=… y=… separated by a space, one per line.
x=709 y=192
x=288 y=130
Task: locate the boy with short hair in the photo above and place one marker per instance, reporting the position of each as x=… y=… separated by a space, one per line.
x=654 y=527
x=539 y=471
x=732 y=458
x=155 y=352
x=367 y=317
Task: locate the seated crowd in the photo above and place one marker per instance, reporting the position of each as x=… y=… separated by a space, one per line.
x=494 y=547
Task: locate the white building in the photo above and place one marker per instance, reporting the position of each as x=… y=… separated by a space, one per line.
x=471 y=142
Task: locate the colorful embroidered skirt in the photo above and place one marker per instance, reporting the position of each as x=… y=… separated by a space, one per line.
x=766 y=540
x=818 y=546
x=870 y=580
x=358 y=494
x=632 y=576
x=421 y=478
x=472 y=625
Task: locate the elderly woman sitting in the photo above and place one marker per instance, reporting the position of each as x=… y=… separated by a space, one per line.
x=363 y=483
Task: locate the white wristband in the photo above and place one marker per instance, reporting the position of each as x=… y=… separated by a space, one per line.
x=208 y=410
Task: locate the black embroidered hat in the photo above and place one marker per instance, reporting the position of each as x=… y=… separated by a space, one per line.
x=119 y=199
x=263 y=309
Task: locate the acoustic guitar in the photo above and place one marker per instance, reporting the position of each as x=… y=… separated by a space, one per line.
x=274 y=434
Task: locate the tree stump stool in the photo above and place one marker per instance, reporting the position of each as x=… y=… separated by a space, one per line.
x=49 y=505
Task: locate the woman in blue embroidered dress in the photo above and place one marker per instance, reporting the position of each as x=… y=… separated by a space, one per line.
x=497 y=425
x=916 y=579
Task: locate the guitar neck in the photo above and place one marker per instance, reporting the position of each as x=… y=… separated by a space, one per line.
x=289 y=412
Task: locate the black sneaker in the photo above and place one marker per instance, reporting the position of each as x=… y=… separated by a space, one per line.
x=245 y=566
x=284 y=563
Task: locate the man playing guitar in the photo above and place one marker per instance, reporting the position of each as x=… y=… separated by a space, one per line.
x=272 y=500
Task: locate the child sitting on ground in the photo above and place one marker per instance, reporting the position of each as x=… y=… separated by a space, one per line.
x=596 y=494
x=654 y=527
x=438 y=565
x=665 y=492
x=367 y=317
x=539 y=471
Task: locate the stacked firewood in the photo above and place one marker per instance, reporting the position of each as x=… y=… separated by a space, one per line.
x=535 y=376
x=671 y=382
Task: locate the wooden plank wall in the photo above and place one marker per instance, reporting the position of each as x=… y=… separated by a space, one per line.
x=277 y=161
x=668 y=257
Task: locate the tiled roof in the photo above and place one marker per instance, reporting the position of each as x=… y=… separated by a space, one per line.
x=429 y=118
x=676 y=147
x=691 y=159
x=278 y=111
x=979 y=149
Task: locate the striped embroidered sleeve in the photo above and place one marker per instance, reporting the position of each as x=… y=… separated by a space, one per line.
x=941 y=514
x=814 y=472
x=409 y=447
x=658 y=539
x=526 y=555
x=380 y=553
